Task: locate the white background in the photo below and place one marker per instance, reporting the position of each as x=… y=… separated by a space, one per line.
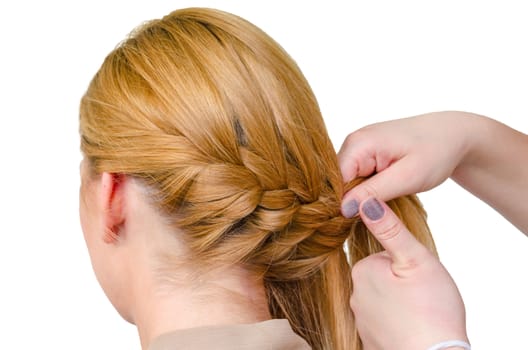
x=366 y=61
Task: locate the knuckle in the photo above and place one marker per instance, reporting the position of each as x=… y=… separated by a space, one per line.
x=406 y=266
x=367 y=190
x=390 y=230
x=419 y=258
x=353 y=302
x=357 y=271
x=350 y=138
x=357 y=137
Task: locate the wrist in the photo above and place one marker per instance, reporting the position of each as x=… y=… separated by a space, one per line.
x=473 y=132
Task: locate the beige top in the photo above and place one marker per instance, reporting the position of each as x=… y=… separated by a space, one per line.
x=267 y=335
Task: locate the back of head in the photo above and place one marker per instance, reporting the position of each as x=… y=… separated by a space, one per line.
x=218 y=122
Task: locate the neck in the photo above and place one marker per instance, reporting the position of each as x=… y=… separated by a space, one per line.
x=230 y=297
x=160 y=300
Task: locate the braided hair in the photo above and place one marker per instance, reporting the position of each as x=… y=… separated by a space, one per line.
x=219 y=124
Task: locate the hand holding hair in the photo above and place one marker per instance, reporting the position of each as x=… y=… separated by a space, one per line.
x=416 y=154
x=194 y=166
x=407 y=156
x=403 y=297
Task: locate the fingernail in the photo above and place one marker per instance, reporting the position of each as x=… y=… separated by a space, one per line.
x=351 y=208
x=373 y=209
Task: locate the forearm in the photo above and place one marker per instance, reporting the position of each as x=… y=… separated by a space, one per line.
x=495 y=168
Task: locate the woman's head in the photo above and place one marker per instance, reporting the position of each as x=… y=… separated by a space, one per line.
x=219 y=127
x=219 y=124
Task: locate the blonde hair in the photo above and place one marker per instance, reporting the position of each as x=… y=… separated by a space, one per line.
x=218 y=121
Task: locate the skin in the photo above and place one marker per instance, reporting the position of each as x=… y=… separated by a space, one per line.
x=401 y=289
x=127 y=265
x=416 y=154
x=404 y=298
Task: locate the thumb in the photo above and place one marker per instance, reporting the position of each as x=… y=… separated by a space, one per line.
x=394 y=181
x=387 y=228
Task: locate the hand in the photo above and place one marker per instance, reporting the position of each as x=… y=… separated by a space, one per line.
x=408 y=155
x=403 y=297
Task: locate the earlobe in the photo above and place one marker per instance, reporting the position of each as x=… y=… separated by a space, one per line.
x=112 y=197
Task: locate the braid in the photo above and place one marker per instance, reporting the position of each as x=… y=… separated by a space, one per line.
x=231 y=211
x=221 y=127
x=314 y=231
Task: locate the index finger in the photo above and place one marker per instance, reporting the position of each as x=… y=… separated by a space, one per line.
x=388 y=229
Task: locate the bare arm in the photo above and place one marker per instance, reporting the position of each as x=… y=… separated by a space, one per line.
x=495 y=168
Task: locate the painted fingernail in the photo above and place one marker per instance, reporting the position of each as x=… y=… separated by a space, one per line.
x=351 y=208
x=373 y=209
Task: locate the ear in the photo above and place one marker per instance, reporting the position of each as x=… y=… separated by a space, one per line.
x=112 y=198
